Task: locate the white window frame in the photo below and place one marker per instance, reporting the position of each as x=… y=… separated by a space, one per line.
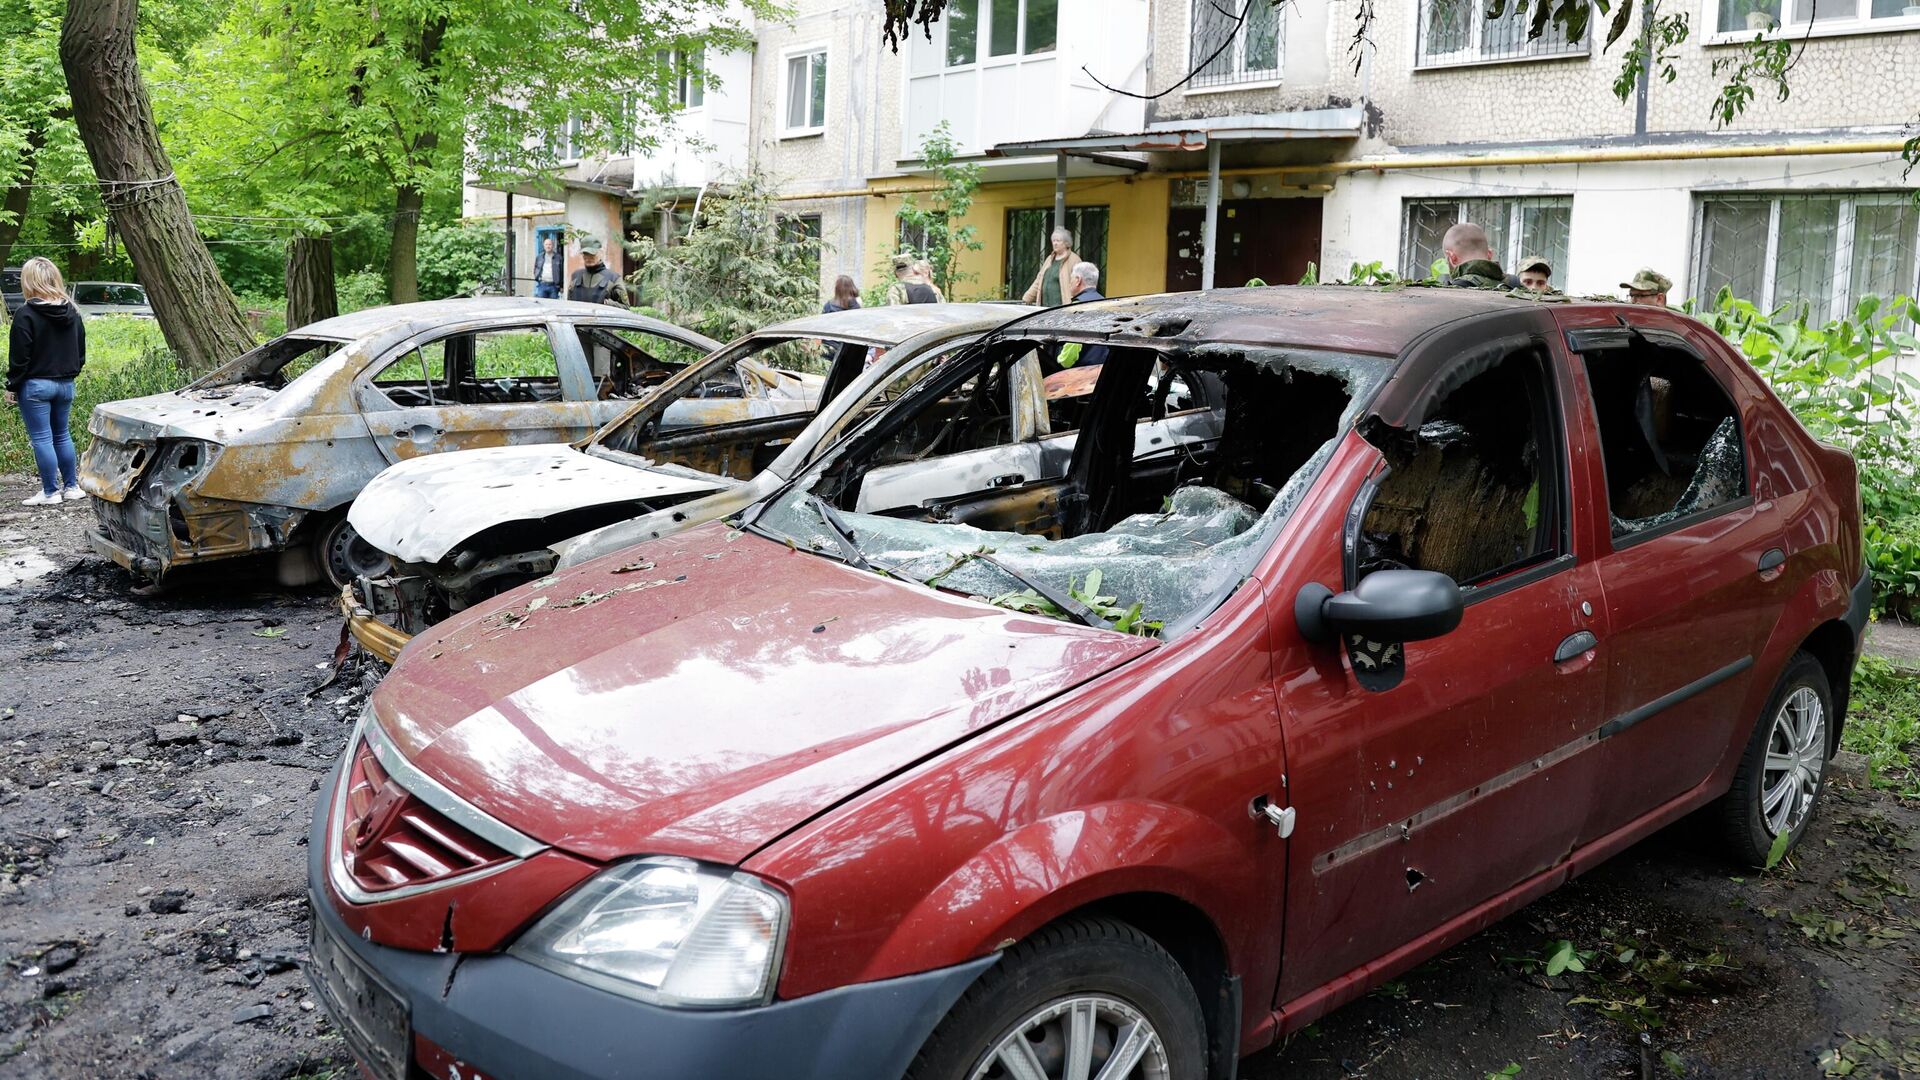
x=1840 y=287
x=787 y=57
x=1239 y=52
x=571 y=152
x=1516 y=243
x=1859 y=24
x=1477 y=28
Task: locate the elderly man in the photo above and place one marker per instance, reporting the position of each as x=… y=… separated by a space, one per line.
x=1053 y=285
x=549 y=269
x=595 y=282
x=1470 y=261
x=1085 y=279
x=1648 y=287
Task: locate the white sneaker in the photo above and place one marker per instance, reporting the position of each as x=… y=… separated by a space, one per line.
x=72 y=494
x=42 y=499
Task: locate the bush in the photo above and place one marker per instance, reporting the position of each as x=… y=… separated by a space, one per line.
x=454 y=260
x=361 y=289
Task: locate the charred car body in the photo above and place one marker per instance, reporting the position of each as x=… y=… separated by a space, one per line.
x=265 y=454
x=463 y=527
x=1469 y=594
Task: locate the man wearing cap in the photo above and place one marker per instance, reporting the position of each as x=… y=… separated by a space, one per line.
x=1470 y=261
x=595 y=282
x=1536 y=274
x=907 y=288
x=1647 y=287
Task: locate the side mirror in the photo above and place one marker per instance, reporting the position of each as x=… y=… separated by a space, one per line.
x=1387 y=606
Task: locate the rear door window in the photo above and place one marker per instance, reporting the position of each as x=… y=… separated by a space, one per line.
x=1669 y=437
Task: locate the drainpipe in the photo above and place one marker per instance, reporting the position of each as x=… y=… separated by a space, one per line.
x=1213 y=214
x=508 y=276
x=1640 y=84
x=1060 y=189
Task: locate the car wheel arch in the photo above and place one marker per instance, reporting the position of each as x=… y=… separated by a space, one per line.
x=1813 y=620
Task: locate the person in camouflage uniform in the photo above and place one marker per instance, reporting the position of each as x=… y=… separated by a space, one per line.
x=1470 y=261
x=1648 y=287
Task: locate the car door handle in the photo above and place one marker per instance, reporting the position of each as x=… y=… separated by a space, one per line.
x=1574 y=645
x=1772 y=559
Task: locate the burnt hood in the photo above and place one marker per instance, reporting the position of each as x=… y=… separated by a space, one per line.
x=704 y=694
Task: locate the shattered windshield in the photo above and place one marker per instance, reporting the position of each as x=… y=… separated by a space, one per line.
x=1140 y=534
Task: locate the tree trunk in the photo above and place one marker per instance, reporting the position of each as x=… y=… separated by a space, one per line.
x=403 y=260
x=195 y=309
x=310 y=295
x=13 y=208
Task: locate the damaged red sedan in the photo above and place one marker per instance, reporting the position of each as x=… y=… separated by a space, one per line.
x=1121 y=772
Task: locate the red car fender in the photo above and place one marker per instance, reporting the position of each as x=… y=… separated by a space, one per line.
x=1029 y=877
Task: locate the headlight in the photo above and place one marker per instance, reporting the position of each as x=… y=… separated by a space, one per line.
x=668 y=931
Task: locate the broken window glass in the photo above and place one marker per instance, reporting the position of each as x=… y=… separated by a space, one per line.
x=1466 y=495
x=1668 y=435
x=1172 y=526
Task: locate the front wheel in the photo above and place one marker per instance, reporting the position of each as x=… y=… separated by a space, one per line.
x=1083 y=999
x=1784 y=767
x=343 y=554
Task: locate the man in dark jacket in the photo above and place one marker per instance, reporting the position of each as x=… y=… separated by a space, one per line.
x=595 y=282
x=549 y=270
x=1470 y=261
x=1086 y=286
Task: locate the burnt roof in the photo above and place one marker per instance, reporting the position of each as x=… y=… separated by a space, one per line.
x=1381 y=320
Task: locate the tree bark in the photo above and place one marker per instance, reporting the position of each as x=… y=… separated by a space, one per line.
x=195 y=309
x=13 y=208
x=403 y=259
x=310 y=294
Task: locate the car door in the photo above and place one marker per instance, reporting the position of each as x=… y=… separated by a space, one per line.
x=626 y=363
x=474 y=386
x=1691 y=567
x=1430 y=777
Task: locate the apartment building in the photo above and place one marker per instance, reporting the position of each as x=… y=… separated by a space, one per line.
x=1149 y=115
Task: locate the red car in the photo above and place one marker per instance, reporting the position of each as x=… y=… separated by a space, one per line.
x=1124 y=772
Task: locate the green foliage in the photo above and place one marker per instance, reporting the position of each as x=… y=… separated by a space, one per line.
x=739 y=269
x=1893 y=558
x=1312 y=276
x=1883 y=723
x=126 y=358
x=1759 y=61
x=1778 y=849
x=457 y=259
x=1127 y=620
x=958 y=183
x=360 y=289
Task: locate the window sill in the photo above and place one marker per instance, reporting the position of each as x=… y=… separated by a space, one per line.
x=1855 y=28
x=802 y=133
x=1233 y=87
x=1449 y=65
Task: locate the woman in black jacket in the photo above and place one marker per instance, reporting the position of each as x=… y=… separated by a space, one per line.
x=46 y=349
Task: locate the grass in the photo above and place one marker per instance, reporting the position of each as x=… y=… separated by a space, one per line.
x=1883 y=723
x=126 y=357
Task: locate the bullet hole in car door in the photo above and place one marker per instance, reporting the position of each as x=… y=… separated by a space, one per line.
x=1668 y=436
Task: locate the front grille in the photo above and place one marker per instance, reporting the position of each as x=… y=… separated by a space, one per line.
x=390 y=839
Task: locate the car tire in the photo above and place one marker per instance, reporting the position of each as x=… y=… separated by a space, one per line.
x=342 y=555
x=1786 y=758
x=1078 y=973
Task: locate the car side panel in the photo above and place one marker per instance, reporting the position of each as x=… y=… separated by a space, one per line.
x=1186 y=734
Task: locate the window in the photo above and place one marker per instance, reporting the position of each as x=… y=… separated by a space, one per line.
x=1822 y=253
x=1029 y=239
x=516 y=355
x=963 y=32
x=627 y=363
x=804 y=229
x=1474 y=493
x=1668 y=435
x=686 y=77
x=1013 y=28
x=573 y=144
x=804 y=109
x=1745 y=16
x=1458 y=32
x=911 y=236
x=1516 y=228
x=488 y=368
x=1251 y=53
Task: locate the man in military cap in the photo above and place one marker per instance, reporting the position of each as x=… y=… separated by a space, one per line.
x=1648 y=287
x=1536 y=274
x=595 y=282
x=1470 y=261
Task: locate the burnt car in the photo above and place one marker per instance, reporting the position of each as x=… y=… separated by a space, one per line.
x=1128 y=771
x=266 y=453
x=464 y=527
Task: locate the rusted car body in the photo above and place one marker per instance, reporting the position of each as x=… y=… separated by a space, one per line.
x=463 y=527
x=1471 y=593
x=264 y=454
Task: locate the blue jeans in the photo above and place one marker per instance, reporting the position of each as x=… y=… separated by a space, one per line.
x=44 y=405
x=545 y=291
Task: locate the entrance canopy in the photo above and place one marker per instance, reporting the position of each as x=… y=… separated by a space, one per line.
x=1191 y=136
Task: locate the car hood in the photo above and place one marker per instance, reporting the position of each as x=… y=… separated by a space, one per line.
x=215 y=414
x=419 y=510
x=704 y=694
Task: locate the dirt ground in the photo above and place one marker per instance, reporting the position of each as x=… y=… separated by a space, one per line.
x=152 y=879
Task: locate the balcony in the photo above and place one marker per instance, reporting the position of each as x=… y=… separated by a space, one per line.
x=1001 y=71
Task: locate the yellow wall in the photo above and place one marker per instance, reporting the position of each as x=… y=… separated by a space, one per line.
x=1136 y=230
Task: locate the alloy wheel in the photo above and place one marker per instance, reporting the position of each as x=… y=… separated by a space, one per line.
x=1796 y=761
x=1084 y=1037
